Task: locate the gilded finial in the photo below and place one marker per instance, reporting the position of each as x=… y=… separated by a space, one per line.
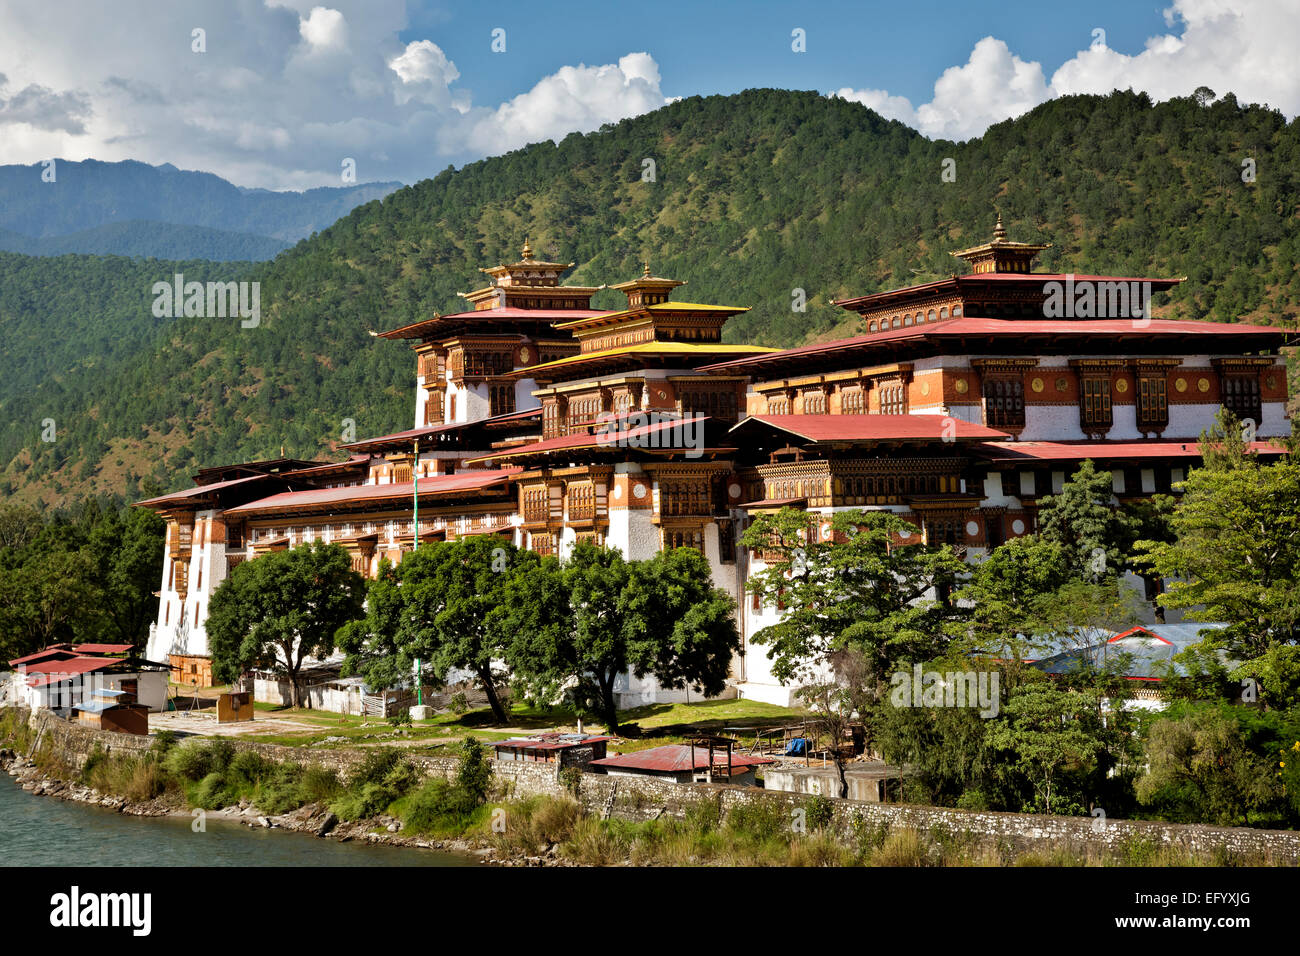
x=527 y=251
x=998 y=231
x=646 y=271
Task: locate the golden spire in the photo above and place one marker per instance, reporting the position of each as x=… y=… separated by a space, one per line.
x=527 y=250
x=646 y=271
x=998 y=231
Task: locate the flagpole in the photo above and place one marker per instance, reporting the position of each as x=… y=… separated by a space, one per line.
x=415 y=495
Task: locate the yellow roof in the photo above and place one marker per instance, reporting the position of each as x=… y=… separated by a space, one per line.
x=661 y=307
x=653 y=348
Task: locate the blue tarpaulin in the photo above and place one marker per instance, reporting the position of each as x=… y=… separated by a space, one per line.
x=795 y=747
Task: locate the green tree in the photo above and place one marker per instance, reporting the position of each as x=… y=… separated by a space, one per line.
x=580 y=625
x=277 y=611
x=1236 y=558
x=860 y=584
x=1202 y=770
x=437 y=605
x=1004 y=591
x=1082 y=520
x=128 y=551
x=1051 y=732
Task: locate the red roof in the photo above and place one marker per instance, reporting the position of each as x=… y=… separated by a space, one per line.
x=201 y=490
x=415 y=329
x=444 y=427
x=1013 y=328
x=431 y=485
x=103 y=648
x=549 y=742
x=62 y=651
x=627 y=438
x=678 y=758
x=56 y=672
x=1077 y=451
x=820 y=428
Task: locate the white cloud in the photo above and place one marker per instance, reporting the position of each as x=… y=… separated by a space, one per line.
x=286 y=90
x=574 y=98
x=890 y=107
x=1242 y=46
x=325 y=29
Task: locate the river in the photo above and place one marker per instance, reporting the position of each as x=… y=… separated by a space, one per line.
x=46 y=831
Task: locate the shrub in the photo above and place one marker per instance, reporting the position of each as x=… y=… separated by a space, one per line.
x=163 y=742
x=188 y=762
x=819 y=811
x=474 y=774
x=761 y=820
x=211 y=793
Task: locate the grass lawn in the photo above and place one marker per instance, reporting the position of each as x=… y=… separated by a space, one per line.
x=650 y=726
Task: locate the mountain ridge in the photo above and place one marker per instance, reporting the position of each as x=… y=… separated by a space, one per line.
x=754 y=196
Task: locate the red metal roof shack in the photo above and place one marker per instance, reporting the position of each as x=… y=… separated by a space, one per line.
x=59 y=651
x=675 y=758
x=56 y=672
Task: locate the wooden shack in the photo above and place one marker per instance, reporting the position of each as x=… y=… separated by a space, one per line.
x=234 y=707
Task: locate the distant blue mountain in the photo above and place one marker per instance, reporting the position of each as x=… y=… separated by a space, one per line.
x=132 y=208
x=158 y=240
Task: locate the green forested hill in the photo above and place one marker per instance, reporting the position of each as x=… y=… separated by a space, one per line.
x=142 y=237
x=754 y=195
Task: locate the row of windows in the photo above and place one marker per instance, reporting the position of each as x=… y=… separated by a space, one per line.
x=917 y=318
x=684 y=498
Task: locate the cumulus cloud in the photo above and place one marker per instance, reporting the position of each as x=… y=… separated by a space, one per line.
x=1246 y=47
x=285 y=92
x=575 y=98
x=43 y=109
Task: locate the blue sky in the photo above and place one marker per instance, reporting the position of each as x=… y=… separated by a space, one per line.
x=292 y=93
x=706 y=47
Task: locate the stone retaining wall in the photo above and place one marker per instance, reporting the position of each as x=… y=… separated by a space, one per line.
x=634 y=798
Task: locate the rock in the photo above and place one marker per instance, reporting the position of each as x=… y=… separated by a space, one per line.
x=264 y=823
x=394 y=827
x=327 y=824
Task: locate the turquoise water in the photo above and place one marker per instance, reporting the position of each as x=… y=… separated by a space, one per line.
x=45 y=831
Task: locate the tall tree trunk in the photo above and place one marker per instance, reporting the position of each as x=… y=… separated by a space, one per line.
x=489 y=688
x=608 y=707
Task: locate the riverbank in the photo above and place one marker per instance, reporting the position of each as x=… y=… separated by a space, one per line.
x=312 y=820
x=521 y=813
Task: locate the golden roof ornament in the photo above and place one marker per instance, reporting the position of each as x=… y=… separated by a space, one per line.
x=527 y=252
x=646 y=271
x=998 y=231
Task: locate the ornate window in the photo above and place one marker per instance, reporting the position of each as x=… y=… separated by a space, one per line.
x=778 y=405
x=726 y=541
x=542 y=543
x=1094 y=403
x=551 y=424
x=893 y=398
x=1004 y=402
x=1240 y=395
x=814 y=402
x=1152 y=401
x=854 y=402
x=502 y=398
x=683 y=538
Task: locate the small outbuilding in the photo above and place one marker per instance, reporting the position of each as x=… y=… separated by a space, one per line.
x=234 y=707
x=685 y=763
x=566 y=750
